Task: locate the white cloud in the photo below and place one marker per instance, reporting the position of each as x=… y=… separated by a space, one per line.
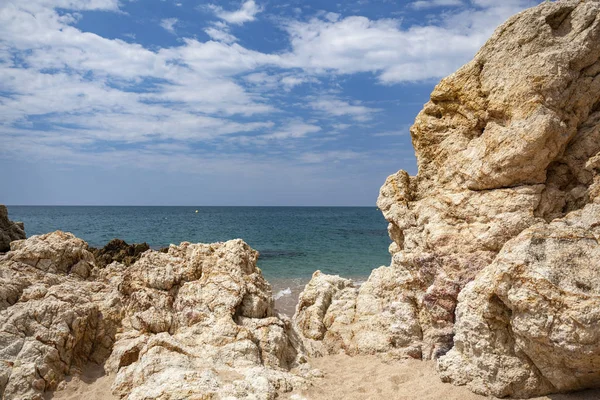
x=396 y=54
x=294 y=130
x=89 y=89
x=336 y=107
x=422 y=4
x=330 y=156
x=169 y=24
x=246 y=13
x=220 y=35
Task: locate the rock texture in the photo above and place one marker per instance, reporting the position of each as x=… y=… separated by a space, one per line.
x=195 y=322
x=9 y=230
x=530 y=322
x=508 y=141
x=118 y=250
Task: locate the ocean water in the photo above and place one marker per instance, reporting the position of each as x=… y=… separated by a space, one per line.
x=293 y=241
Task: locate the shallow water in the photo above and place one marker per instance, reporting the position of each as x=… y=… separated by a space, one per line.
x=293 y=241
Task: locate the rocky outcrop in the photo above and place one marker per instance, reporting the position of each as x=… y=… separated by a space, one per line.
x=118 y=250
x=530 y=323
x=509 y=141
x=195 y=322
x=52 y=320
x=322 y=303
x=9 y=230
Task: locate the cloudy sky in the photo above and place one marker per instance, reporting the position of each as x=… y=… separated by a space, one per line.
x=191 y=102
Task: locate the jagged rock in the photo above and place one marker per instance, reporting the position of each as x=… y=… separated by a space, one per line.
x=195 y=316
x=118 y=250
x=508 y=141
x=323 y=297
x=530 y=323
x=195 y=322
x=9 y=230
x=53 y=321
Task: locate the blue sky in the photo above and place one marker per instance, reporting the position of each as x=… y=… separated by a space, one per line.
x=181 y=102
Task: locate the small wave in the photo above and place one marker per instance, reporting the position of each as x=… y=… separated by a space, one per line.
x=283 y=293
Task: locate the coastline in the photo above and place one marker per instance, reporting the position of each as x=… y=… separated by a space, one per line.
x=287 y=290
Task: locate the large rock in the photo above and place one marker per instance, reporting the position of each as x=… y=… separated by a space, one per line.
x=502 y=145
x=52 y=320
x=195 y=322
x=530 y=323
x=199 y=321
x=9 y=230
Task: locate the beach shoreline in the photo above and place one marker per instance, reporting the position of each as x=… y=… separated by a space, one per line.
x=287 y=290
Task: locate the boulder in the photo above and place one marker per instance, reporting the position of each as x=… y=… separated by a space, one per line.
x=509 y=141
x=52 y=320
x=9 y=230
x=199 y=321
x=195 y=322
x=529 y=324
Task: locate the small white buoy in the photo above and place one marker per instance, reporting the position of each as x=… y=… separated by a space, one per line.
x=196 y=211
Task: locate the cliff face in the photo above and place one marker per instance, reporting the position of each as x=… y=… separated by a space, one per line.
x=508 y=142
x=9 y=230
x=195 y=322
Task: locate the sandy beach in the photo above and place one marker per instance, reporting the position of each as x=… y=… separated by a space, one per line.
x=348 y=378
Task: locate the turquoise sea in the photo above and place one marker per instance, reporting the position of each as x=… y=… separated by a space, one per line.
x=293 y=241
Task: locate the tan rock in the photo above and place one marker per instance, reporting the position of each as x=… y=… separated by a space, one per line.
x=530 y=323
x=52 y=320
x=196 y=322
x=508 y=141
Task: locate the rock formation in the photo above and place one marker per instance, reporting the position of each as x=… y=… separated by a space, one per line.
x=507 y=144
x=118 y=250
x=9 y=230
x=195 y=322
x=530 y=322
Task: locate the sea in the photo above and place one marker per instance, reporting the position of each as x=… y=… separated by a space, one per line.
x=293 y=242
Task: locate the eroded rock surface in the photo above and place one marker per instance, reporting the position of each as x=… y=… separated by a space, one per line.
x=52 y=320
x=530 y=323
x=9 y=230
x=509 y=141
x=195 y=322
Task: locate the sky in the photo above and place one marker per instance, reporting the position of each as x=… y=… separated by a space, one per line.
x=191 y=102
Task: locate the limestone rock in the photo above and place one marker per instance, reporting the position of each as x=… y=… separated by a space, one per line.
x=509 y=141
x=53 y=321
x=118 y=250
x=317 y=309
x=9 y=230
x=530 y=323
x=195 y=322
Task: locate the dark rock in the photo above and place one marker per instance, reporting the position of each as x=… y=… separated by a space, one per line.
x=118 y=250
x=9 y=230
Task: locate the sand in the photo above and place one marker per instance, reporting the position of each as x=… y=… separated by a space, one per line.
x=92 y=384
x=368 y=377
x=361 y=377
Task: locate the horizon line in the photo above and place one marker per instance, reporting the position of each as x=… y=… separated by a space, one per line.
x=162 y=205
